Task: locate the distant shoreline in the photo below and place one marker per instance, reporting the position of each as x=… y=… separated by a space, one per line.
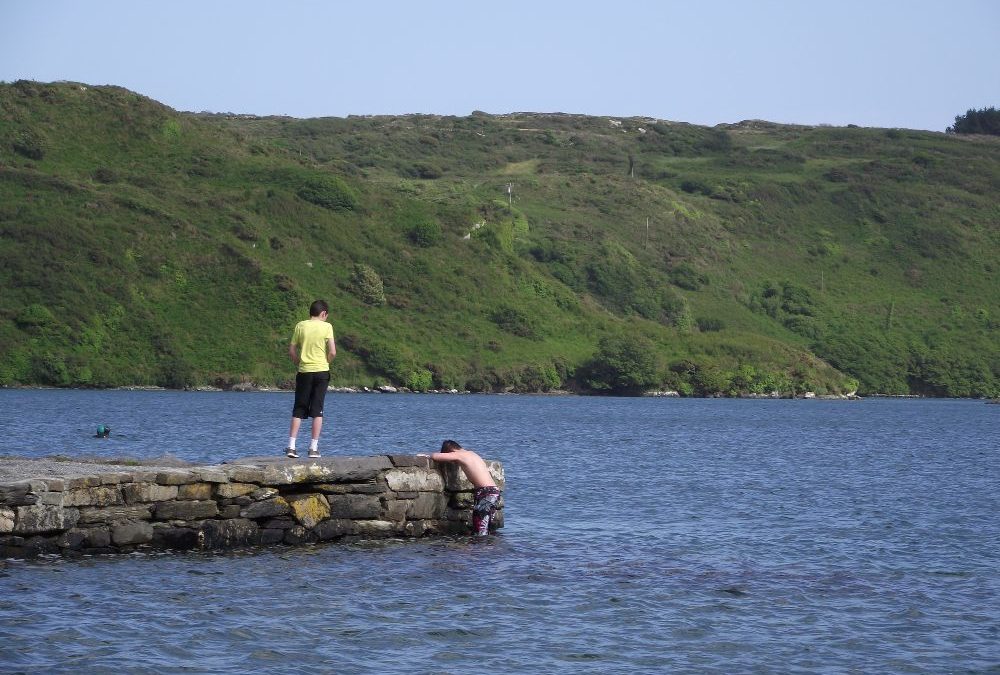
x=385 y=389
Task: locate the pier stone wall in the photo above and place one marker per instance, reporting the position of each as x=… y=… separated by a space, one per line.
x=93 y=508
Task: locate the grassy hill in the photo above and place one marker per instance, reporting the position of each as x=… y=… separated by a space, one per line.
x=140 y=245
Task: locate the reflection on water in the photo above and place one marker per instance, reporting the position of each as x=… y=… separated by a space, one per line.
x=642 y=535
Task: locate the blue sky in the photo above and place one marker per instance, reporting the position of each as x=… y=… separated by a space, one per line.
x=913 y=64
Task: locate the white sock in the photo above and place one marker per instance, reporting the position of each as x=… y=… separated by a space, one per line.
x=291 y=442
x=314 y=445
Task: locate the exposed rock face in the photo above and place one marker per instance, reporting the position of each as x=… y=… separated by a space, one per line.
x=38 y=519
x=132 y=533
x=256 y=501
x=6 y=520
x=309 y=510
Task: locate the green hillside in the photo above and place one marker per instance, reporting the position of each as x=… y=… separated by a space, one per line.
x=140 y=245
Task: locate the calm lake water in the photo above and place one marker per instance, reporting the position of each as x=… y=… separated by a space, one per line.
x=642 y=536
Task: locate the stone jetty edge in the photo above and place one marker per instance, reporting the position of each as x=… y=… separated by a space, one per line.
x=89 y=509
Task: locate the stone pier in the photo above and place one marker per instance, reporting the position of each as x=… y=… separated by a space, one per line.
x=74 y=508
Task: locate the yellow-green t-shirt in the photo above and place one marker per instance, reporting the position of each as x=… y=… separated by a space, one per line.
x=310 y=338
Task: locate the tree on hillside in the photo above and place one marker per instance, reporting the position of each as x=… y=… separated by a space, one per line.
x=985 y=121
x=624 y=364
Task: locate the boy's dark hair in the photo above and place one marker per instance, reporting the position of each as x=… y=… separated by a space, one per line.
x=318 y=307
x=450 y=446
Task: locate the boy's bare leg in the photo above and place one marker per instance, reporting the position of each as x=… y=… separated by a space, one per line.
x=317 y=426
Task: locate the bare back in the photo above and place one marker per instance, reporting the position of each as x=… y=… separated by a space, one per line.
x=473 y=466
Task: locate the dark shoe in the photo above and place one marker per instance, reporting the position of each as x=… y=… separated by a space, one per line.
x=313 y=454
x=290 y=452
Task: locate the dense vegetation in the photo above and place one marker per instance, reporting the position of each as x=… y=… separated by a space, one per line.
x=984 y=121
x=139 y=245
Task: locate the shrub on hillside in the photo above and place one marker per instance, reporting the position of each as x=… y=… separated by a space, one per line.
x=450 y=376
x=948 y=373
x=329 y=192
x=548 y=251
x=717 y=140
x=764 y=158
x=675 y=310
x=544 y=377
x=985 y=121
x=709 y=325
x=29 y=144
x=623 y=364
x=837 y=175
x=417 y=220
x=880 y=361
x=387 y=359
x=367 y=285
x=806 y=326
x=35 y=317
x=246 y=232
x=935 y=241
x=396 y=363
x=687 y=277
x=701 y=377
x=105 y=175
x=763 y=382
x=478 y=382
x=560 y=261
x=498 y=235
x=15 y=367
x=426 y=170
x=624 y=284
x=514 y=321
x=425 y=233
x=50 y=368
x=796 y=299
x=519 y=379
x=696 y=187
x=176 y=373
x=419 y=379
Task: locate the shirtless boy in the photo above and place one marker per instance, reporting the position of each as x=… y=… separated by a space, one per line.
x=486 y=493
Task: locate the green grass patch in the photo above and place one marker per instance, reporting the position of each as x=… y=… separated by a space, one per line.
x=180 y=249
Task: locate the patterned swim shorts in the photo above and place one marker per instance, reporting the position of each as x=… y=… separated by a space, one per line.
x=484 y=508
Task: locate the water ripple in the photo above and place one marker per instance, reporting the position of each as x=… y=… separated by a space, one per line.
x=643 y=536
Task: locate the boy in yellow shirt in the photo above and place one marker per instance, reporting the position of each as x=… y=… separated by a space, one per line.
x=311 y=349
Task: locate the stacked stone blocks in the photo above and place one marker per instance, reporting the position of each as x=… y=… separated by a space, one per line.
x=251 y=502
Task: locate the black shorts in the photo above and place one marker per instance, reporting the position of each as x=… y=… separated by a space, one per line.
x=310 y=391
